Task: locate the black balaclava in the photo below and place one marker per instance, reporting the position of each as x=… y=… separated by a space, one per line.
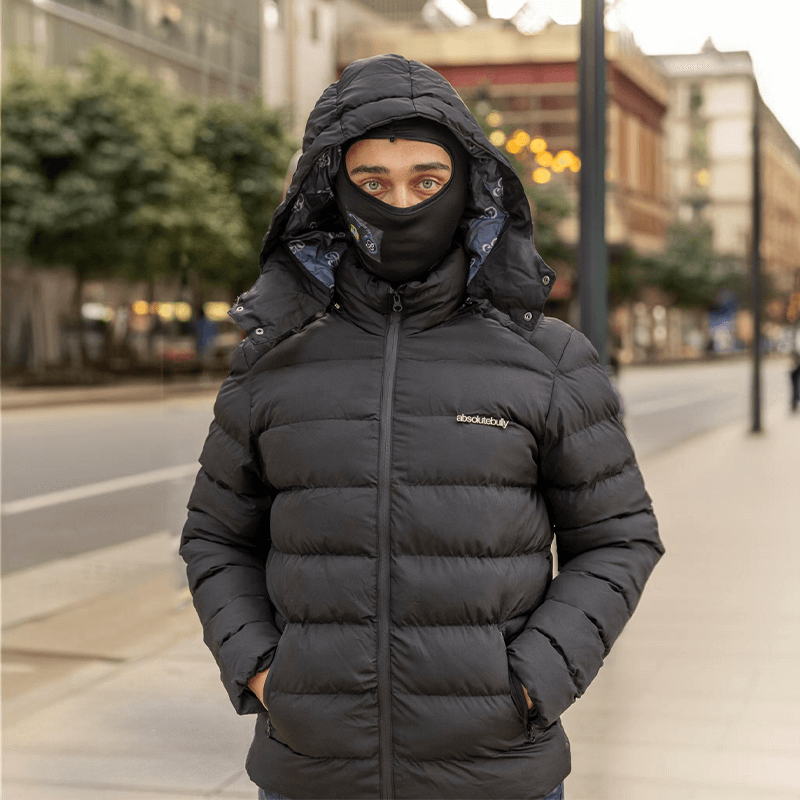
x=398 y=244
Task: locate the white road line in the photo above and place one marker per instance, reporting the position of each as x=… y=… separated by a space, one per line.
x=97 y=489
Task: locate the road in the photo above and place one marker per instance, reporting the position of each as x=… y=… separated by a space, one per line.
x=669 y=404
x=76 y=479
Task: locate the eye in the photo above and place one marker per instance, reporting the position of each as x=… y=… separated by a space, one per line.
x=371 y=185
x=428 y=184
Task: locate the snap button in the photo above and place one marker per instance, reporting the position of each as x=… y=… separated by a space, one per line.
x=259 y=331
x=528 y=316
x=546 y=280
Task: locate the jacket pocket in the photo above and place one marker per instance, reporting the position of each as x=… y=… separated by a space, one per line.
x=518 y=696
x=268 y=681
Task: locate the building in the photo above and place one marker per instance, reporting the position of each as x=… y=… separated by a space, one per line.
x=298 y=55
x=709 y=154
x=526 y=89
x=204 y=48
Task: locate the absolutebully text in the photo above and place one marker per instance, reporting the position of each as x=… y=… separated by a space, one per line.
x=498 y=423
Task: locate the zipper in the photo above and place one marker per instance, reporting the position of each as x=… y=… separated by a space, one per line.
x=384 y=547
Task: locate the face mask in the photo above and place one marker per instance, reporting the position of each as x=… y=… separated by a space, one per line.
x=399 y=244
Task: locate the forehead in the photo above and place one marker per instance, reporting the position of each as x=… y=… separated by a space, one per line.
x=397 y=155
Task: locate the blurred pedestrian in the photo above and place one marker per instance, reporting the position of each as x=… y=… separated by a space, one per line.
x=794 y=377
x=400 y=437
x=205 y=339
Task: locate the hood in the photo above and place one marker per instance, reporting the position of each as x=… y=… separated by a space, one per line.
x=504 y=267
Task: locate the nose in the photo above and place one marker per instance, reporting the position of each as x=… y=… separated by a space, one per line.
x=401 y=197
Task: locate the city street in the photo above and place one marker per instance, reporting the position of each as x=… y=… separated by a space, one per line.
x=110 y=694
x=77 y=478
x=638 y=170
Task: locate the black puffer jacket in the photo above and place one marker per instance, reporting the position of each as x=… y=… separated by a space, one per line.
x=400 y=461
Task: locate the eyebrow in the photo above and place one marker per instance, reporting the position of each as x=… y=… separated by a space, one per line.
x=430 y=166
x=374 y=169
x=369 y=168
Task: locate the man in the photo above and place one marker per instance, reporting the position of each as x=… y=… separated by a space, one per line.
x=401 y=435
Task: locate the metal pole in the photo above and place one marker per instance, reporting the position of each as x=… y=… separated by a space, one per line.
x=756 y=244
x=593 y=253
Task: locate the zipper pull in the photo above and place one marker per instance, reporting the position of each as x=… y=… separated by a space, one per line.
x=398 y=303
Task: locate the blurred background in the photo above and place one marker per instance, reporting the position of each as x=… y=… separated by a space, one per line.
x=145 y=146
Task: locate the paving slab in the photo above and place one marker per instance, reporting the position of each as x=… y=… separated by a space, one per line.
x=38 y=592
x=162 y=725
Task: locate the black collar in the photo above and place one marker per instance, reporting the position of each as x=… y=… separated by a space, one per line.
x=368 y=300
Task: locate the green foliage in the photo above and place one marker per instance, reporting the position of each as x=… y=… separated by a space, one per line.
x=109 y=174
x=248 y=143
x=39 y=140
x=690 y=272
x=550 y=205
x=628 y=273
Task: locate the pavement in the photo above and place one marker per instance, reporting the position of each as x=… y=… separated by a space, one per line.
x=110 y=694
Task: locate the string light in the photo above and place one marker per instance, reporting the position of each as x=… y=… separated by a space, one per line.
x=564 y=158
x=494 y=119
x=522 y=138
x=541 y=175
x=538 y=145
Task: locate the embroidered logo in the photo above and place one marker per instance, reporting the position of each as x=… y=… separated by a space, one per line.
x=476 y=420
x=368 y=239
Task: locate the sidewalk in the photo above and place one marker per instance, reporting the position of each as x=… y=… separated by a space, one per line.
x=698 y=701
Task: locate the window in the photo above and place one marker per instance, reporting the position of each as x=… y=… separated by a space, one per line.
x=558 y=102
x=695 y=98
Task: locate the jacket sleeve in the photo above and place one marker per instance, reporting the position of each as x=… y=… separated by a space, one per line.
x=606 y=536
x=225 y=543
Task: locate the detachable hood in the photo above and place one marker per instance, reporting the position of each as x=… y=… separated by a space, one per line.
x=504 y=268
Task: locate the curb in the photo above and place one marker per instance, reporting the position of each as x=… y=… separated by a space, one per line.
x=14 y=399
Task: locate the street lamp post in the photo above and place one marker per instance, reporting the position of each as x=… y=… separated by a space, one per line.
x=756 y=256
x=593 y=253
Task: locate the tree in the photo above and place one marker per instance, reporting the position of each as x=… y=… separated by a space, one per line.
x=99 y=174
x=689 y=270
x=248 y=143
x=550 y=205
x=628 y=274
